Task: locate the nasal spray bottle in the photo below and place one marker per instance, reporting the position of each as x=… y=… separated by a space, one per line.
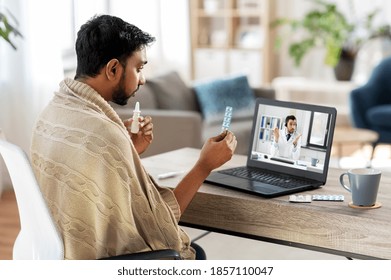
x=135 y=123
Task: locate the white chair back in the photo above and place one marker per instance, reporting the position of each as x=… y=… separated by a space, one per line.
x=38 y=237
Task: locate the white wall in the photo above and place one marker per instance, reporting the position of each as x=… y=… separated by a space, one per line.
x=168 y=21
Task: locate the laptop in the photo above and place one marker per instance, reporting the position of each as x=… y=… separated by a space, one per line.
x=270 y=174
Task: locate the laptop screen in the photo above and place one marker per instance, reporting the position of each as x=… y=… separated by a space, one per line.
x=293 y=138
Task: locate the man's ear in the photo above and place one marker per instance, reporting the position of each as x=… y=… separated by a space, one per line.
x=113 y=69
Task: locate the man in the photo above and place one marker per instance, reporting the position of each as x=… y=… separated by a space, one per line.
x=286 y=142
x=87 y=161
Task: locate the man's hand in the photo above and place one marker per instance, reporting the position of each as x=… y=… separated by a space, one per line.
x=217 y=151
x=144 y=137
x=276 y=133
x=296 y=139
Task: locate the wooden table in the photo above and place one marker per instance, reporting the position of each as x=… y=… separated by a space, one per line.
x=330 y=227
x=350 y=135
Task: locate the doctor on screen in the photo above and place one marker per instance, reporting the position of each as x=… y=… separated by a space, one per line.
x=286 y=141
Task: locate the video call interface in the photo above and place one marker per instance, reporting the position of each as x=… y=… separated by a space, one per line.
x=313 y=143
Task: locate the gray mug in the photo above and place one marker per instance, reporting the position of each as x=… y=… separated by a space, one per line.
x=364 y=185
x=314 y=161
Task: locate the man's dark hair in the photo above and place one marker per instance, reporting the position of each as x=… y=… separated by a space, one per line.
x=103 y=38
x=290 y=117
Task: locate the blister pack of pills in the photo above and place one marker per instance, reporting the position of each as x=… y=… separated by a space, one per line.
x=328 y=197
x=315 y=197
x=227 y=119
x=299 y=198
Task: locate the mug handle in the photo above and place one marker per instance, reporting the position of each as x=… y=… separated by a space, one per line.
x=343 y=183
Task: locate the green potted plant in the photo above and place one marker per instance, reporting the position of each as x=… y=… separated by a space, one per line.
x=326 y=26
x=7 y=29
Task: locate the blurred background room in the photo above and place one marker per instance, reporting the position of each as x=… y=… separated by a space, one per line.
x=302 y=50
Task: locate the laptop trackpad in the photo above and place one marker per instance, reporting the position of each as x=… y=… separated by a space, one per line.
x=239 y=183
x=261 y=188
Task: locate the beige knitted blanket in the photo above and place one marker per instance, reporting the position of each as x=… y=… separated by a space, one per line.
x=102 y=199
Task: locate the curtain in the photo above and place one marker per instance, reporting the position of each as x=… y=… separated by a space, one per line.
x=29 y=75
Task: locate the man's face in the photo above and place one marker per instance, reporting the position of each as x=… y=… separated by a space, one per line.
x=291 y=126
x=131 y=79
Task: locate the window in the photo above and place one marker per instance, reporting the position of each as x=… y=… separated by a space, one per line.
x=318 y=134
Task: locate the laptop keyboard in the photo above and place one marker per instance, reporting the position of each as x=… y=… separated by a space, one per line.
x=264 y=176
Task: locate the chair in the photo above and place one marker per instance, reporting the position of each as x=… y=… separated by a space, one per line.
x=38 y=237
x=370 y=104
